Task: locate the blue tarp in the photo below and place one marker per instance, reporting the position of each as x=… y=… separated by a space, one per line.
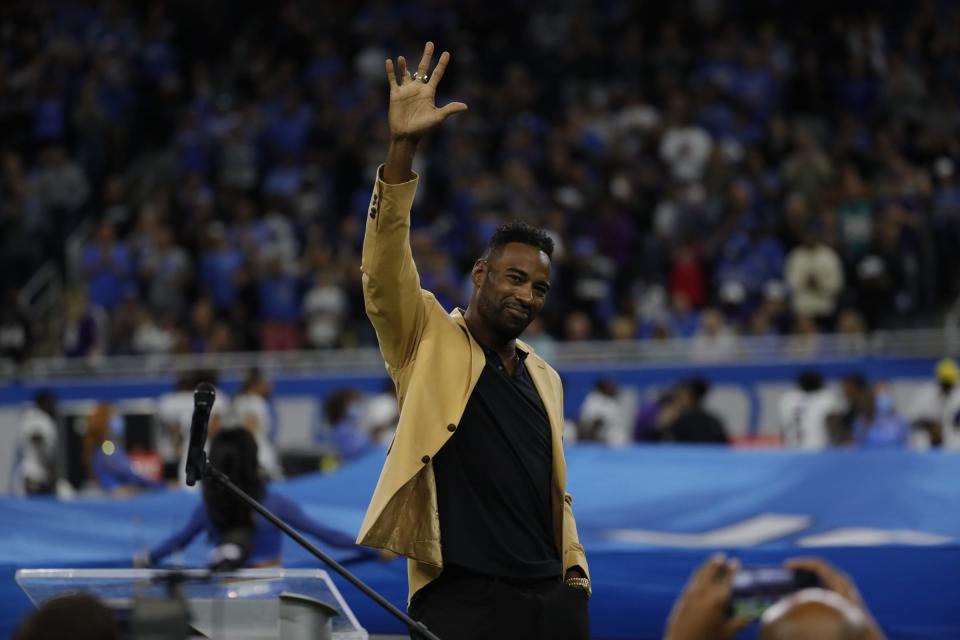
x=647 y=516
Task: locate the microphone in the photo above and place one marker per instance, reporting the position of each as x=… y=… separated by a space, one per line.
x=203 y=397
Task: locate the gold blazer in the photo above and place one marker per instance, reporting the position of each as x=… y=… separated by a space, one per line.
x=435 y=363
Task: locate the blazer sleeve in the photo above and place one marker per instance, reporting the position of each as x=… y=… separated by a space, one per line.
x=391 y=284
x=573 y=553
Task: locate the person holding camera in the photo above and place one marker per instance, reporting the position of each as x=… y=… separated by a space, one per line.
x=832 y=610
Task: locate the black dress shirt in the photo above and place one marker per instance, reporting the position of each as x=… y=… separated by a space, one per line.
x=494 y=480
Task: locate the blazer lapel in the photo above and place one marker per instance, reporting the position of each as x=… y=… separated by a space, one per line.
x=477 y=360
x=551 y=401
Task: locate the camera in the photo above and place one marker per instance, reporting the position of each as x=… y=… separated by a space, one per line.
x=756 y=588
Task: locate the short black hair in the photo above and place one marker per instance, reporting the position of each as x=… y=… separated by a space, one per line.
x=234 y=452
x=856 y=380
x=521 y=232
x=44 y=396
x=810 y=380
x=698 y=388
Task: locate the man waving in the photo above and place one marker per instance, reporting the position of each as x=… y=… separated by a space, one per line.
x=473 y=490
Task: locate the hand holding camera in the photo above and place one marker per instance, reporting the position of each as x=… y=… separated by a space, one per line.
x=721 y=598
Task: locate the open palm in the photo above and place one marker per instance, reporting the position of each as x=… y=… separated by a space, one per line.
x=413 y=112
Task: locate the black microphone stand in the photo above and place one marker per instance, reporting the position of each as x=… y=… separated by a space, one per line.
x=209 y=472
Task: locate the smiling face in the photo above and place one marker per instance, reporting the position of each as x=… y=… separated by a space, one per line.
x=510 y=287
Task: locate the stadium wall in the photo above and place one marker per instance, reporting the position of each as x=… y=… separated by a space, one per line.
x=745 y=395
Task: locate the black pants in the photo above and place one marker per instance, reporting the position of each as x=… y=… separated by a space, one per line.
x=474 y=607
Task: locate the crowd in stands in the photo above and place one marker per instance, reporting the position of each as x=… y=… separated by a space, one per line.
x=707 y=169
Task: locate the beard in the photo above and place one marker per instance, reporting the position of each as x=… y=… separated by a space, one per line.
x=502 y=319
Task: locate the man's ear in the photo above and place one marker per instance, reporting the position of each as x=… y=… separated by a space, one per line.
x=479 y=272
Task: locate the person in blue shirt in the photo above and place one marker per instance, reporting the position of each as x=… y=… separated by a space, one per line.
x=879 y=427
x=220 y=265
x=106 y=462
x=108 y=267
x=226 y=519
x=341 y=409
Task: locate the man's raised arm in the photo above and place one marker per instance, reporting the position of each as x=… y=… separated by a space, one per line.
x=391 y=285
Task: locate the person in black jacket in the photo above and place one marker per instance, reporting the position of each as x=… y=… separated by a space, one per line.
x=686 y=419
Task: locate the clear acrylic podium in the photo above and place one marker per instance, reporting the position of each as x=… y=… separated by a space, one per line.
x=249 y=604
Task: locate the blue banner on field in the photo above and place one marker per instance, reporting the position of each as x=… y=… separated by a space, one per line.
x=647 y=517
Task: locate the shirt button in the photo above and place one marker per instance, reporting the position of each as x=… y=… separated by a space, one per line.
x=425 y=459
x=451 y=427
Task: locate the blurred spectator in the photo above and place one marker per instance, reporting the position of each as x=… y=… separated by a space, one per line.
x=651 y=415
x=951 y=428
x=238 y=157
x=750 y=258
x=930 y=411
x=342 y=412
x=622 y=327
x=381 y=413
x=855 y=211
x=324 y=310
x=252 y=411
x=174 y=412
x=805 y=341
x=59 y=188
x=124 y=325
x=803 y=412
x=78 y=616
x=685 y=420
x=220 y=265
x=604 y=415
x=14 y=328
x=108 y=268
x=685 y=146
x=105 y=461
x=84 y=326
x=851 y=337
x=714 y=340
x=685 y=320
x=879 y=426
x=537 y=337
x=854 y=395
x=883 y=275
x=165 y=272
x=686 y=276
x=815 y=276
x=279 y=308
x=807 y=170
x=38 y=447
x=578 y=327
x=151 y=337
